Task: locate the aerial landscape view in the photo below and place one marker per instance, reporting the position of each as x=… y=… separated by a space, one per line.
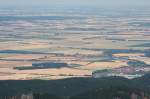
x=82 y=49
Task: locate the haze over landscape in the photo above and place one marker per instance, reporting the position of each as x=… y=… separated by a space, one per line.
x=63 y=45
x=75 y=2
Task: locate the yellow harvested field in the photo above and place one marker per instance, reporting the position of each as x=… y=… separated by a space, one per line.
x=10 y=64
x=104 y=65
x=42 y=73
x=24 y=56
x=128 y=54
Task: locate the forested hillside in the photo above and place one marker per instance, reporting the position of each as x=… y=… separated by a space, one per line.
x=77 y=88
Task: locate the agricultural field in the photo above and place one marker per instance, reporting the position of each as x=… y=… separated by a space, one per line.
x=86 y=42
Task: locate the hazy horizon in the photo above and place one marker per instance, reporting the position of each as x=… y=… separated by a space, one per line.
x=72 y=3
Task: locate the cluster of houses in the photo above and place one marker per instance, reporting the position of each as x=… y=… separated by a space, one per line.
x=125 y=71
